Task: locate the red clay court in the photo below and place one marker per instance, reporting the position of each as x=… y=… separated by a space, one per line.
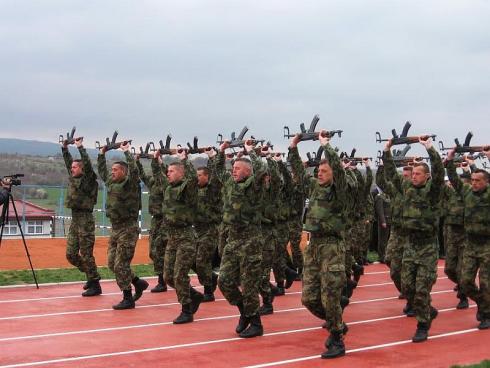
x=56 y=327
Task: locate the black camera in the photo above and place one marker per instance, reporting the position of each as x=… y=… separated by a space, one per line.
x=11 y=180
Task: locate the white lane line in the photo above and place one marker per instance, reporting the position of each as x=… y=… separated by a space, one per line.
x=365 y=348
x=129 y=327
x=210 y=342
x=391 y=283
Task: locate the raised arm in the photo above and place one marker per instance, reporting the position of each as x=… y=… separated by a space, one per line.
x=102 y=167
x=67 y=158
x=339 y=176
x=144 y=178
x=391 y=175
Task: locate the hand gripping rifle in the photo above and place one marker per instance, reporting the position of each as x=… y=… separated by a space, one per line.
x=194 y=148
x=314 y=158
x=70 y=137
x=239 y=142
x=403 y=138
x=465 y=148
x=354 y=161
x=111 y=144
x=310 y=134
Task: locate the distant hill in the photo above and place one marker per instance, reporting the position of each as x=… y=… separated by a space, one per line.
x=36 y=148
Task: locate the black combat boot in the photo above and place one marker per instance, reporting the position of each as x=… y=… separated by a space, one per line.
x=254 y=329
x=485 y=323
x=139 y=286
x=401 y=296
x=93 y=288
x=86 y=285
x=208 y=294
x=421 y=333
x=185 y=316
x=280 y=289
x=408 y=310
x=344 y=302
x=463 y=302
x=126 y=303
x=336 y=347
x=274 y=289
x=433 y=314
x=161 y=286
x=266 y=307
x=290 y=277
x=196 y=299
x=351 y=285
x=243 y=321
x=329 y=340
x=358 y=271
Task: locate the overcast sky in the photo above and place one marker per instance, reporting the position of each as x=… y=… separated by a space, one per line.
x=149 y=68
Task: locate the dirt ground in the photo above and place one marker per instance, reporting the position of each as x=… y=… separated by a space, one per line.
x=50 y=253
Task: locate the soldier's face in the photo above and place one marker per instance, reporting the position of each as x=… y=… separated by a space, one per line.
x=175 y=174
x=118 y=173
x=407 y=174
x=76 y=169
x=241 y=170
x=202 y=178
x=478 y=182
x=419 y=176
x=325 y=174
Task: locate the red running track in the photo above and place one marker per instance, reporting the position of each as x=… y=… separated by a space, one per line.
x=56 y=327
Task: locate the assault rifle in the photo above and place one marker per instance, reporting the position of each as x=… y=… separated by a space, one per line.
x=112 y=144
x=314 y=158
x=194 y=148
x=310 y=134
x=239 y=142
x=150 y=147
x=352 y=159
x=70 y=137
x=465 y=148
x=403 y=138
x=166 y=150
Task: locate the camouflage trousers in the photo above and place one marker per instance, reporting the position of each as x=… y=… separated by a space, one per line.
x=455 y=243
x=419 y=273
x=349 y=257
x=295 y=232
x=241 y=268
x=268 y=239
x=222 y=237
x=280 y=258
x=476 y=259
x=383 y=236
x=180 y=255
x=158 y=242
x=206 y=245
x=80 y=244
x=324 y=279
x=122 y=244
x=361 y=235
x=394 y=255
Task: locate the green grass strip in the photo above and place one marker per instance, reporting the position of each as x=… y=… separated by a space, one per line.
x=483 y=364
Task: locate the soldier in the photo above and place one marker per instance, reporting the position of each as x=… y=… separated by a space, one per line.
x=179 y=208
x=454 y=238
x=242 y=254
x=382 y=209
x=420 y=212
x=476 y=256
x=324 y=258
x=208 y=218
x=158 y=237
x=81 y=199
x=122 y=208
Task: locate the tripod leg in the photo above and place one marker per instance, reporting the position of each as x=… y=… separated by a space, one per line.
x=23 y=240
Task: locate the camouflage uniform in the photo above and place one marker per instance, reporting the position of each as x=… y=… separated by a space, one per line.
x=324 y=258
x=179 y=209
x=476 y=256
x=208 y=217
x=158 y=236
x=361 y=229
x=454 y=233
x=81 y=198
x=349 y=221
x=242 y=255
x=122 y=208
x=420 y=216
x=382 y=207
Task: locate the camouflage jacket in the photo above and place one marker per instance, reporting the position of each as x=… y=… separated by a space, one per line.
x=180 y=199
x=155 y=187
x=327 y=207
x=242 y=200
x=384 y=182
x=363 y=207
x=352 y=194
x=123 y=198
x=209 y=201
x=476 y=204
x=294 y=194
x=453 y=207
x=382 y=208
x=420 y=205
x=82 y=191
x=270 y=198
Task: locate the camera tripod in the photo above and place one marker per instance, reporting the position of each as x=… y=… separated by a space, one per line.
x=4 y=220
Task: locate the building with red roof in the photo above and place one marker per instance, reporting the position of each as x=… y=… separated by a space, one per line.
x=36 y=221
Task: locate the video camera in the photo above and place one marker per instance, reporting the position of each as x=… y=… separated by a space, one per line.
x=11 y=180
